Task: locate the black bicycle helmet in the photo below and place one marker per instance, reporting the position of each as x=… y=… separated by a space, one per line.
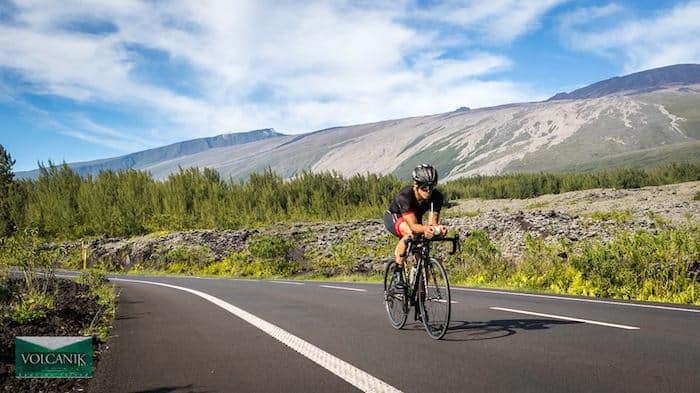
x=425 y=174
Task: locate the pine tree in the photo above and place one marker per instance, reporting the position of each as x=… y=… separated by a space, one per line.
x=6 y=182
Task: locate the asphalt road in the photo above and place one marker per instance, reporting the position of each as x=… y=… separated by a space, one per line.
x=171 y=340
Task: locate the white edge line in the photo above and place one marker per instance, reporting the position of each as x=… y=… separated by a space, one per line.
x=566 y=318
x=351 y=374
x=572 y=299
x=345 y=288
x=286 y=282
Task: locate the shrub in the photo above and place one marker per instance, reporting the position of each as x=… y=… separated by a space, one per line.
x=186 y=259
x=542 y=267
x=633 y=265
x=265 y=246
x=31 y=306
x=242 y=264
x=106 y=299
x=479 y=260
x=93 y=278
x=232 y=265
x=618 y=216
x=26 y=250
x=344 y=256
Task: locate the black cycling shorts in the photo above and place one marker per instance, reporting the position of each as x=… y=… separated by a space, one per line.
x=392 y=222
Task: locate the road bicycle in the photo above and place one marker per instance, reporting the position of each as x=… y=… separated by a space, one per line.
x=428 y=292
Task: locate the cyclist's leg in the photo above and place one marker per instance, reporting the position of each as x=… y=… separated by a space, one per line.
x=405 y=232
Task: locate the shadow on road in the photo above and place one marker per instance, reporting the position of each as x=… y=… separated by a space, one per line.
x=497 y=328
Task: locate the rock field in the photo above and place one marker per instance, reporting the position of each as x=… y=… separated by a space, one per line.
x=577 y=215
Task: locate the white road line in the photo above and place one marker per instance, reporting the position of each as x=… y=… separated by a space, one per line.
x=580 y=300
x=286 y=282
x=345 y=288
x=566 y=318
x=351 y=374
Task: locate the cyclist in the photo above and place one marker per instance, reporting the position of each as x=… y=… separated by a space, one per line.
x=405 y=215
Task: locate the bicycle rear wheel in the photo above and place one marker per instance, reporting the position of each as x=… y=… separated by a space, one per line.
x=394 y=301
x=434 y=299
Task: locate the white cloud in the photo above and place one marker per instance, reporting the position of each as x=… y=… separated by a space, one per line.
x=497 y=20
x=294 y=66
x=669 y=37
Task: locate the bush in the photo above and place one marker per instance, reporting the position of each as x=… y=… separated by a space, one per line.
x=186 y=259
x=106 y=299
x=265 y=246
x=32 y=306
x=633 y=265
x=619 y=217
x=479 y=260
x=242 y=264
x=232 y=265
x=93 y=278
x=344 y=256
x=26 y=250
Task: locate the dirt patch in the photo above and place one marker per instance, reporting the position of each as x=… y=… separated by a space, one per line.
x=74 y=310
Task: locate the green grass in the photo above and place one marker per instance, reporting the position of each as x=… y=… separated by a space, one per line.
x=697 y=196
x=106 y=295
x=618 y=216
x=634 y=265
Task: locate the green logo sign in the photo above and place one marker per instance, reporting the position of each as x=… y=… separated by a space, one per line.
x=53 y=357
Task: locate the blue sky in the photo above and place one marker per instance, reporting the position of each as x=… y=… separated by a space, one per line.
x=89 y=80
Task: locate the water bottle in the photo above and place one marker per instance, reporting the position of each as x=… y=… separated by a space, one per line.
x=413 y=275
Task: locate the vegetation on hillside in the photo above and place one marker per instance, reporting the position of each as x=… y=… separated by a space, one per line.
x=530 y=185
x=634 y=265
x=60 y=204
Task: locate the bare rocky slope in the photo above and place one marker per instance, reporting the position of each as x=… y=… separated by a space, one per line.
x=578 y=215
x=643 y=119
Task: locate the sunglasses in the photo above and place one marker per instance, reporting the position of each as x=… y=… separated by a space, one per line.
x=426 y=187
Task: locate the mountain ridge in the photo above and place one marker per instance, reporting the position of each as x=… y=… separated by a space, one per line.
x=145 y=158
x=652 y=117
x=638 y=82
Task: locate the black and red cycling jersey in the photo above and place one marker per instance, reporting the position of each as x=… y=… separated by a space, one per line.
x=405 y=202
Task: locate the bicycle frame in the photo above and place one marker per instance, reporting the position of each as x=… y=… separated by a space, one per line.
x=422 y=263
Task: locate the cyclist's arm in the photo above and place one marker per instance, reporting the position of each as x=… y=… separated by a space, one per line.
x=412 y=222
x=434 y=220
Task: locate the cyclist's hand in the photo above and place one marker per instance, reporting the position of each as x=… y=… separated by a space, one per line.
x=429 y=232
x=443 y=230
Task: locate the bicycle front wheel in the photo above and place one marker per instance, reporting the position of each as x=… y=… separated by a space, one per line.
x=394 y=300
x=434 y=299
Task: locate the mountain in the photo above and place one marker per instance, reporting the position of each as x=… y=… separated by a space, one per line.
x=641 y=119
x=644 y=81
x=145 y=159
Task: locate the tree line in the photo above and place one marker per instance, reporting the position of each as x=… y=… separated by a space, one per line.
x=530 y=185
x=60 y=204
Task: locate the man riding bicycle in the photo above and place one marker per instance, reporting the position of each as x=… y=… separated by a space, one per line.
x=405 y=215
